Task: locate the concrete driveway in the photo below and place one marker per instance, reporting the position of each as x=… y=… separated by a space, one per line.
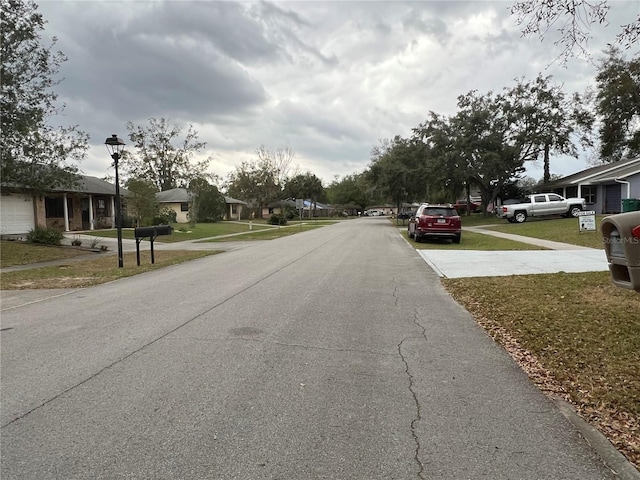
x=560 y=257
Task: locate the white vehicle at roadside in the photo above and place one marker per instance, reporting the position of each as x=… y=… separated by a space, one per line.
x=541 y=204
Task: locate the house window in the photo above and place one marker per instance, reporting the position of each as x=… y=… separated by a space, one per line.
x=54 y=207
x=184 y=207
x=589 y=193
x=234 y=209
x=101 y=210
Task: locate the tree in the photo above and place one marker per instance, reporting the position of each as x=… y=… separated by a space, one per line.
x=543 y=121
x=351 y=190
x=163 y=155
x=34 y=154
x=618 y=106
x=573 y=19
x=305 y=186
x=445 y=172
x=261 y=181
x=277 y=162
x=208 y=203
x=141 y=202
x=397 y=170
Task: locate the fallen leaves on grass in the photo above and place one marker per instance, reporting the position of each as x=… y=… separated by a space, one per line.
x=575 y=335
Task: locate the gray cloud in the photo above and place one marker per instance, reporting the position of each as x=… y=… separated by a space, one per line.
x=328 y=79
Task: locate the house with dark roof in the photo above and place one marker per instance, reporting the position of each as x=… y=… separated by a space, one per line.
x=603 y=187
x=179 y=200
x=88 y=205
x=308 y=207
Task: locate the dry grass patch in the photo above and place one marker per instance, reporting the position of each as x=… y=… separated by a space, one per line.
x=103 y=268
x=576 y=335
x=22 y=253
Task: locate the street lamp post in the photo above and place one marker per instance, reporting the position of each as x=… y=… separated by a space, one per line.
x=115 y=146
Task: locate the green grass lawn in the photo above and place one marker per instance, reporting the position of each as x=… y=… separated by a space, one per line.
x=564 y=230
x=471 y=241
x=249 y=229
x=182 y=232
x=271 y=233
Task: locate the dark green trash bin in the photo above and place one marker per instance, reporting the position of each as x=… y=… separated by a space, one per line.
x=630 y=204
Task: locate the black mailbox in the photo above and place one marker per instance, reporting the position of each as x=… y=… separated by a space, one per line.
x=163 y=229
x=621 y=237
x=152 y=233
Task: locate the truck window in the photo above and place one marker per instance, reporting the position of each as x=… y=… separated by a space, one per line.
x=555 y=198
x=539 y=199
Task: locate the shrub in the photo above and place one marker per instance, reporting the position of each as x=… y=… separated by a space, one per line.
x=165 y=217
x=277 y=220
x=129 y=221
x=48 y=236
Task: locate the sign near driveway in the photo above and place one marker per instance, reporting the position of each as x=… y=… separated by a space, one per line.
x=587 y=221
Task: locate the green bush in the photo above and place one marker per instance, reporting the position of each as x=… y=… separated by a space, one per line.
x=129 y=221
x=48 y=236
x=277 y=220
x=165 y=217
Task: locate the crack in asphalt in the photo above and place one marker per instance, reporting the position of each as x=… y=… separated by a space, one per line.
x=418 y=416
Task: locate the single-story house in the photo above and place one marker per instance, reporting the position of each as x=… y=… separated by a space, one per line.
x=308 y=208
x=179 y=200
x=88 y=205
x=603 y=187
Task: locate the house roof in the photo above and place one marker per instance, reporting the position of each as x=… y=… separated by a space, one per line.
x=94 y=185
x=86 y=184
x=602 y=173
x=175 y=195
x=182 y=195
x=233 y=200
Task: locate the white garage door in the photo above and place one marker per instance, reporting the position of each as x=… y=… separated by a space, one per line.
x=16 y=214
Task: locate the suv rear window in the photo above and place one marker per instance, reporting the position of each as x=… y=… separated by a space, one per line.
x=440 y=211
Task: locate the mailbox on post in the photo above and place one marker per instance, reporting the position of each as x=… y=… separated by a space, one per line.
x=152 y=233
x=621 y=237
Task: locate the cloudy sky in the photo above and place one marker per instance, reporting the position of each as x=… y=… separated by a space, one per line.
x=329 y=80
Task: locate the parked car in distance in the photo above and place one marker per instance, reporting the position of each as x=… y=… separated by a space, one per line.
x=435 y=221
x=475 y=205
x=405 y=215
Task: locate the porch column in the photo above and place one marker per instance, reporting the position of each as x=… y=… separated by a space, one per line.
x=91 y=219
x=65 y=212
x=113 y=212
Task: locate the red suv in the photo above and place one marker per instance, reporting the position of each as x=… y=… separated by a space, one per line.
x=435 y=221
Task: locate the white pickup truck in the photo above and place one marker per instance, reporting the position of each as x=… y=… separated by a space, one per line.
x=541 y=204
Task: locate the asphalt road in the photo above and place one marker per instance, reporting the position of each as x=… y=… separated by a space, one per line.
x=331 y=354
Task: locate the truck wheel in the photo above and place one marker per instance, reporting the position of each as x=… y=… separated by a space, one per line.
x=520 y=216
x=456 y=239
x=416 y=238
x=409 y=234
x=574 y=211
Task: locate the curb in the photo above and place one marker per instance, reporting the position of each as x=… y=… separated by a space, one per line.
x=617 y=463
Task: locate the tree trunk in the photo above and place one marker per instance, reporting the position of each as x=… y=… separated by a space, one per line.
x=547 y=173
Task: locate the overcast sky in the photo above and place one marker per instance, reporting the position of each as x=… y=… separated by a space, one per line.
x=326 y=79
